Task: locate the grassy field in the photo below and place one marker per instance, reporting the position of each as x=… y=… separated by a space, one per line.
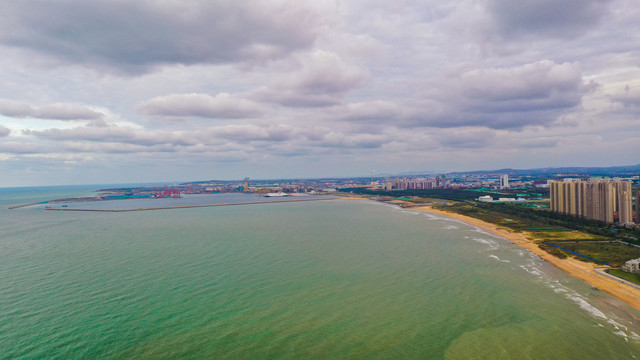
x=634 y=278
x=613 y=253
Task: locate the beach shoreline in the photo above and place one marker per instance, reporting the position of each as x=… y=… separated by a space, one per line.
x=576 y=268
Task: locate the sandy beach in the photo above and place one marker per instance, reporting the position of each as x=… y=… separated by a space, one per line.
x=578 y=269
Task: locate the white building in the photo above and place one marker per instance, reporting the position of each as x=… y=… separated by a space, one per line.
x=504 y=181
x=632 y=266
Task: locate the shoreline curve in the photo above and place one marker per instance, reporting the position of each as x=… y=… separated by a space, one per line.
x=578 y=269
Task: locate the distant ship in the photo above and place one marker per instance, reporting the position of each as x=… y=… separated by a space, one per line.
x=278 y=194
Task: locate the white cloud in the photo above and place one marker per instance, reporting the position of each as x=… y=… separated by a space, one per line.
x=222 y=106
x=58 y=111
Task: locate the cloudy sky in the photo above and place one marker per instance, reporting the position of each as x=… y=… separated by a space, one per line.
x=178 y=90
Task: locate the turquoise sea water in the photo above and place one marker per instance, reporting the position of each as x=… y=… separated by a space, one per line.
x=333 y=279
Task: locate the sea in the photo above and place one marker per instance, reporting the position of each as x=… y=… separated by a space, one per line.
x=330 y=279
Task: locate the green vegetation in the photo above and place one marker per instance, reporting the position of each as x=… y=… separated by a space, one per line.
x=610 y=252
x=634 y=278
x=553 y=250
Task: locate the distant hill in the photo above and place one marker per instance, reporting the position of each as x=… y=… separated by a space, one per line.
x=629 y=170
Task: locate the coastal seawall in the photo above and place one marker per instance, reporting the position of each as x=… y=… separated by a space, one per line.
x=185 y=206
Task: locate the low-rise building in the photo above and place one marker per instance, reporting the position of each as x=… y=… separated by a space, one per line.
x=632 y=266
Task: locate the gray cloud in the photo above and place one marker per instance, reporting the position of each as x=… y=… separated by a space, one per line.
x=316 y=79
x=470 y=138
x=371 y=111
x=245 y=133
x=313 y=87
x=13 y=109
x=121 y=134
x=135 y=36
x=324 y=72
x=222 y=106
x=544 y=142
x=567 y=18
x=291 y=98
x=66 y=112
x=53 y=111
x=531 y=94
x=629 y=98
x=21 y=147
x=354 y=141
x=536 y=81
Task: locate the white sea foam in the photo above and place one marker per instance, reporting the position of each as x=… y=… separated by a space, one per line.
x=620 y=329
x=492 y=244
x=584 y=305
x=621 y=333
x=530 y=270
x=497 y=258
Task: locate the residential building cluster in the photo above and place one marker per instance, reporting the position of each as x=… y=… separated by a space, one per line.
x=604 y=199
x=410 y=184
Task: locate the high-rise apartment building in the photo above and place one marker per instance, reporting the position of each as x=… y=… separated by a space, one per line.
x=638 y=207
x=504 y=181
x=596 y=199
x=625 y=202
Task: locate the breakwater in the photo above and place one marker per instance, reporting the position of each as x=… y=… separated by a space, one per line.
x=187 y=206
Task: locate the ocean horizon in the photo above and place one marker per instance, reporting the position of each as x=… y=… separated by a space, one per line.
x=313 y=280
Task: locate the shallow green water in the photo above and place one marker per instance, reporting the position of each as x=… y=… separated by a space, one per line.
x=318 y=280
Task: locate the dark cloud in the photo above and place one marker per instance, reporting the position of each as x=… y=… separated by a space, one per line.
x=566 y=18
x=135 y=36
x=51 y=112
x=222 y=106
x=4 y=131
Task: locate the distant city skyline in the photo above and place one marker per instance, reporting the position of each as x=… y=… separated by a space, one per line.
x=146 y=91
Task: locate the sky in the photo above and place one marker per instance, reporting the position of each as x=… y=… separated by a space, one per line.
x=118 y=91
